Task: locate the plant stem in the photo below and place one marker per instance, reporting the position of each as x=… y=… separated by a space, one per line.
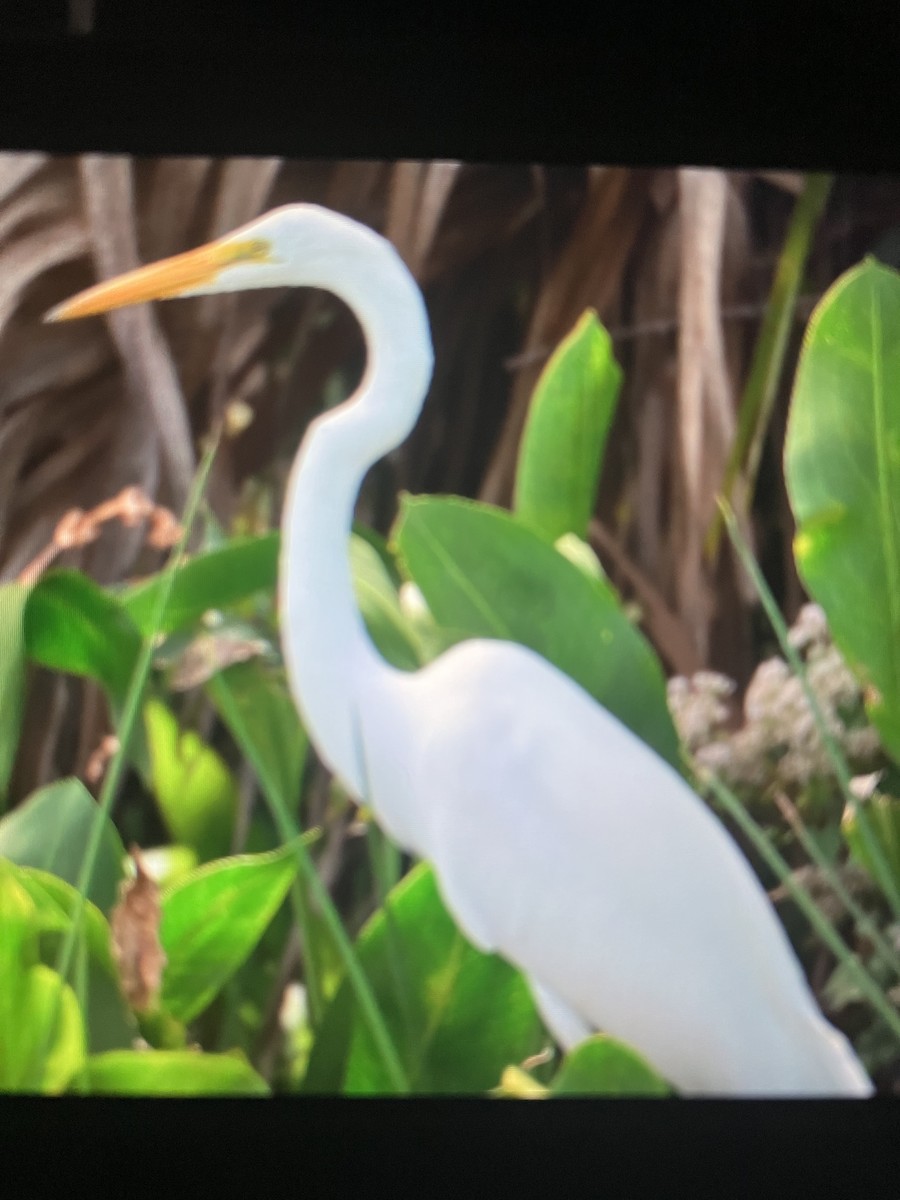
x=130 y=710
x=279 y=806
x=805 y=902
x=838 y=762
x=864 y=922
x=766 y=369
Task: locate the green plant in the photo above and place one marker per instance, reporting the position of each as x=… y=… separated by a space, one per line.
x=405 y=1003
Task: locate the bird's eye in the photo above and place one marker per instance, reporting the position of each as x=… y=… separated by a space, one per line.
x=257 y=250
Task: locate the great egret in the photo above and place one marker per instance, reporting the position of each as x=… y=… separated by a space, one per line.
x=559 y=839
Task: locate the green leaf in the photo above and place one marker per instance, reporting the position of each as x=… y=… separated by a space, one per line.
x=65 y=1047
x=516 y=1084
x=842 y=467
x=110 y=1024
x=253 y=700
x=883 y=812
x=30 y=1000
x=196 y=793
x=211 y=921
x=170 y=1073
x=160 y=1030
x=601 y=1066
x=565 y=434
x=51 y=831
x=108 y=1021
x=484 y=574
x=165 y=864
x=55 y=901
x=581 y=555
x=763 y=381
x=376 y=595
x=456 y=1016
x=18 y=951
x=381 y=546
x=13 y=598
x=213 y=580
x=73 y=625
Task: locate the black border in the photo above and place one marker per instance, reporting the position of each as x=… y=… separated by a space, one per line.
x=342 y=1147
x=812 y=85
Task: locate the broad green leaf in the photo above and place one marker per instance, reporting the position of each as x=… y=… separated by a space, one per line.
x=376 y=595
x=601 y=1066
x=13 y=598
x=254 y=702
x=216 y=579
x=581 y=555
x=431 y=639
x=484 y=574
x=456 y=1016
x=34 y=1056
x=109 y=1024
x=18 y=952
x=55 y=901
x=194 y=789
x=565 y=434
x=65 y=1047
x=51 y=831
x=842 y=467
x=211 y=921
x=170 y=1073
x=73 y=625
x=381 y=547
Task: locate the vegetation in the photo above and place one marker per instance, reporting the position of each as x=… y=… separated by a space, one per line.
x=266 y=936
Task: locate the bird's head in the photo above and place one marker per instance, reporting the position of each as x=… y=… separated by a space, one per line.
x=286 y=246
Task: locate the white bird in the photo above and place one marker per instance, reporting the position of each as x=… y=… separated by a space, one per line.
x=559 y=839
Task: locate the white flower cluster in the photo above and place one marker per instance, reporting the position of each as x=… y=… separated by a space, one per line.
x=779 y=741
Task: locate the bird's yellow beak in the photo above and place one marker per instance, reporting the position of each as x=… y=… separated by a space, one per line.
x=163 y=280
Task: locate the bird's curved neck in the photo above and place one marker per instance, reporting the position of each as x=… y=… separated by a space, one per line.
x=333 y=668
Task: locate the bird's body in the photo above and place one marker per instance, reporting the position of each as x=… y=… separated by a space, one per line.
x=650 y=926
x=559 y=839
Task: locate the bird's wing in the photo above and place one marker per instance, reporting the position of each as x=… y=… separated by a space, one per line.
x=563 y=842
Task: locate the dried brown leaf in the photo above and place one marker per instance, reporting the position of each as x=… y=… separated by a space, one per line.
x=649 y=389
x=16 y=169
x=786 y=181
x=22 y=260
x=354 y=188
x=405 y=189
x=587 y=274
x=419 y=194
x=52 y=195
x=147 y=363
x=99 y=760
x=244 y=186
x=210 y=653
x=705 y=405
x=706 y=421
x=66 y=356
x=169 y=204
x=134 y=926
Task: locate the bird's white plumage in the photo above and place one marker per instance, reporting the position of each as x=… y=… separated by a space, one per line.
x=574 y=851
x=558 y=838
